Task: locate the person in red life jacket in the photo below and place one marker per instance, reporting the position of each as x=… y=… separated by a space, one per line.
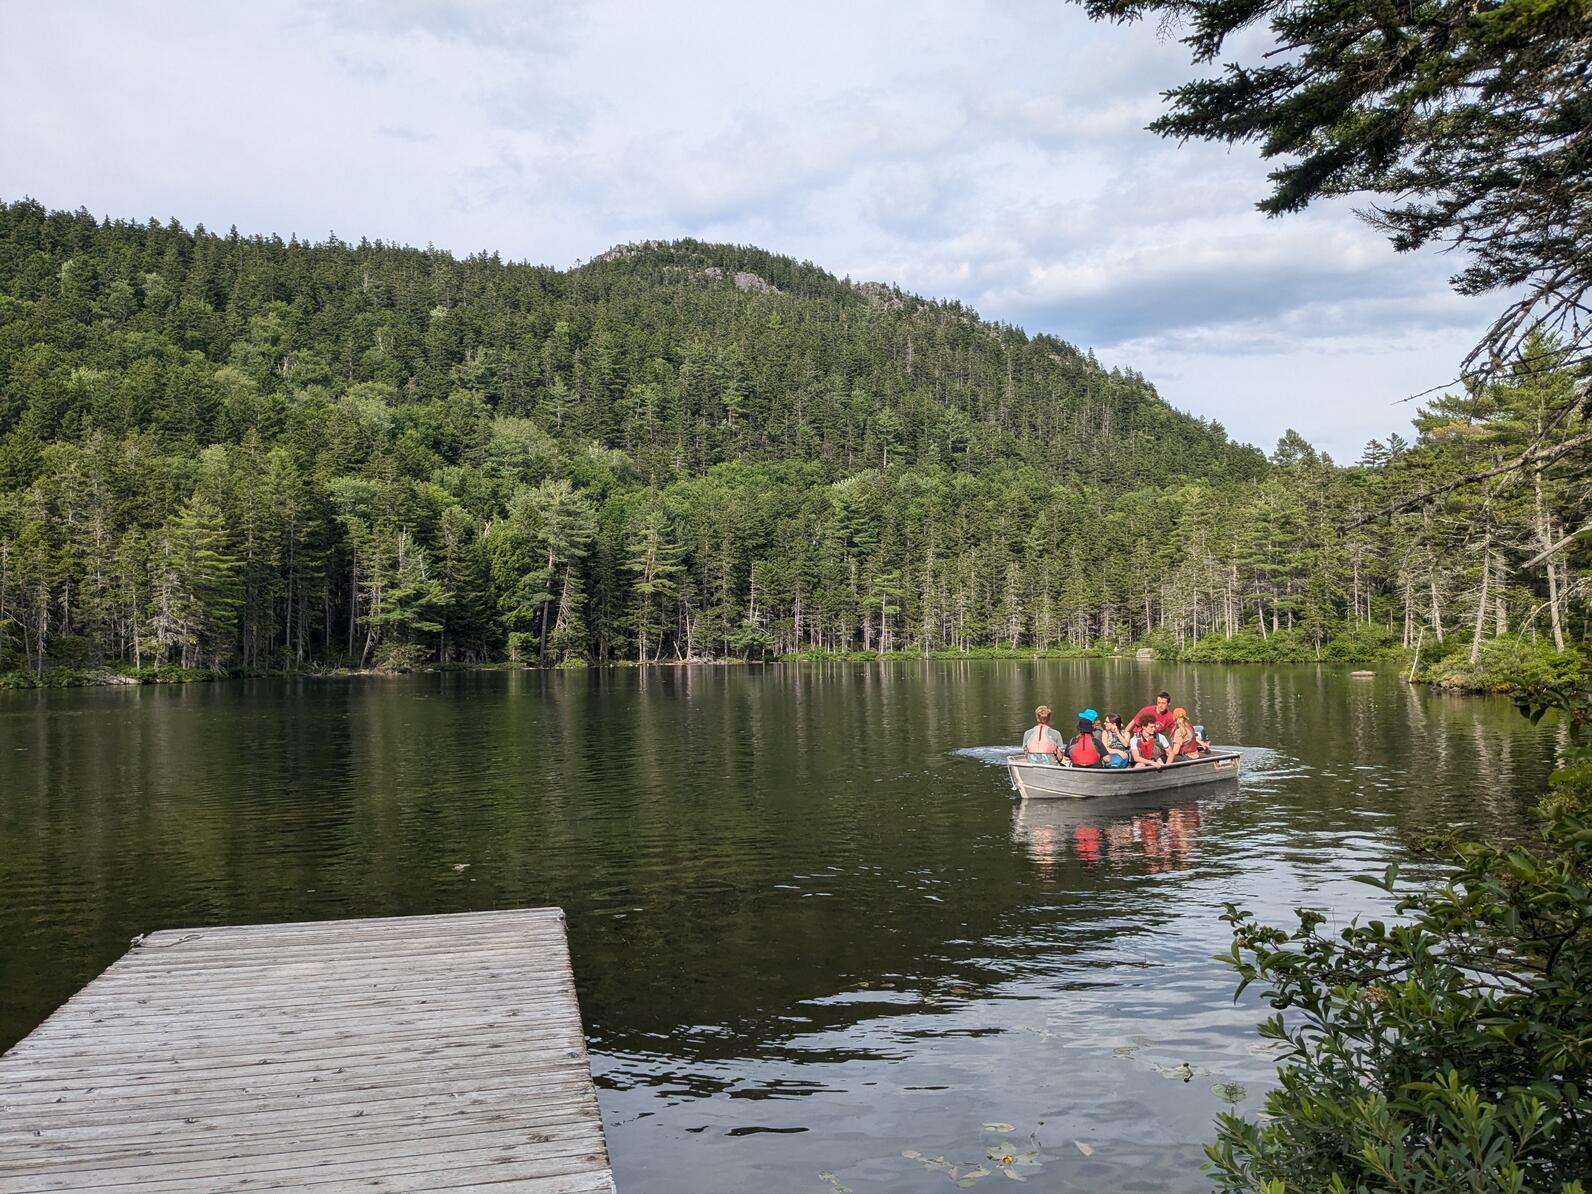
x=1144 y=749
x=1086 y=750
x=1182 y=744
x=1043 y=744
x=1160 y=713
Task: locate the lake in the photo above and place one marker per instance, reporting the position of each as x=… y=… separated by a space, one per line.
x=817 y=944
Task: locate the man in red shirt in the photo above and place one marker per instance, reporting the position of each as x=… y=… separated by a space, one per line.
x=1160 y=713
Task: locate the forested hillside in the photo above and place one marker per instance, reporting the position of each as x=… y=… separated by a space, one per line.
x=243 y=453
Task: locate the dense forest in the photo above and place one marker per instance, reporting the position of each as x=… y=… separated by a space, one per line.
x=231 y=453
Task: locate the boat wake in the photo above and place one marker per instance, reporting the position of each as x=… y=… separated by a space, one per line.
x=990 y=756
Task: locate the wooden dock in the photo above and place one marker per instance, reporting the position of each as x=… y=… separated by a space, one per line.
x=407 y=1053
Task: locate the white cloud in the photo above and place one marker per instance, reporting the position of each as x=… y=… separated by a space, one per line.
x=989 y=152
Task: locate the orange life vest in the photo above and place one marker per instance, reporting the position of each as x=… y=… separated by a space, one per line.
x=1040 y=735
x=1084 y=752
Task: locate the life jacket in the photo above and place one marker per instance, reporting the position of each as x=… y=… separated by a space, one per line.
x=1084 y=752
x=1187 y=750
x=1147 y=747
x=1041 y=736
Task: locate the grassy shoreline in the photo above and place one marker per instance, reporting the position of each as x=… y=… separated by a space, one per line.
x=1504 y=666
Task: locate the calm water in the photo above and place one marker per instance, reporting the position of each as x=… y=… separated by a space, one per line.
x=811 y=930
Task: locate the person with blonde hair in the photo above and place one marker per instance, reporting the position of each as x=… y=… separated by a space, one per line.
x=1043 y=744
x=1182 y=743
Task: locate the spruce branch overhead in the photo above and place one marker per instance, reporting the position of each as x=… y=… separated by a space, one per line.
x=1467 y=125
x=1464 y=125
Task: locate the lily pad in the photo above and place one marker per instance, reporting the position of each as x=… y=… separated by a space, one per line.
x=999 y=1128
x=1084 y=1147
x=1230 y=1092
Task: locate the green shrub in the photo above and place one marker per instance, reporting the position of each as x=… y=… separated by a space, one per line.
x=1161 y=641
x=166 y=673
x=174 y=673
x=1509 y=665
x=1360 y=644
x=399 y=657
x=1282 y=646
x=1449 y=1051
x=65 y=677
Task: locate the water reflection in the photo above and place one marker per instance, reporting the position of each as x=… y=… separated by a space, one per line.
x=808 y=934
x=1155 y=838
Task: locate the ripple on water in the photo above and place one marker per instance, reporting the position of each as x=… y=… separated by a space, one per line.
x=809 y=938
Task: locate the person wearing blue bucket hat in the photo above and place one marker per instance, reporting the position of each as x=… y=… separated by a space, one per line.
x=1087 y=750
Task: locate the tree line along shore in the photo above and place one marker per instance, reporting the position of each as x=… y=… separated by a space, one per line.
x=243 y=455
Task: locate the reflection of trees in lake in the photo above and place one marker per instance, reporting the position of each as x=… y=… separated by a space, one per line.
x=743 y=849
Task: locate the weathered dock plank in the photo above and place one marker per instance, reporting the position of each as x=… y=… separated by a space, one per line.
x=401 y=1053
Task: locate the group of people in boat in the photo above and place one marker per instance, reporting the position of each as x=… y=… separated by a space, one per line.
x=1157 y=735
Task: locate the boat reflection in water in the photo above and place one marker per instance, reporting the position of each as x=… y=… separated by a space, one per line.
x=1156 y=837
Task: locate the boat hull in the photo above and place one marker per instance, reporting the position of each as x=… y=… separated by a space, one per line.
x=1041 y=781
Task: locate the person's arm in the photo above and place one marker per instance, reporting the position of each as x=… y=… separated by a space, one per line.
x=1061 y=747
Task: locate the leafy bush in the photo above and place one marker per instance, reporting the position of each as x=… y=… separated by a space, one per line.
x=166 y=673
x=1450 y=1051
x=64 y=677
x=1283 y=646
x=400 y=657
x=1508 y=665
x=1161 y=641
x=1360 y=644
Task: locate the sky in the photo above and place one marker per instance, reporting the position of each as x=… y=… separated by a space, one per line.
x=987 y=151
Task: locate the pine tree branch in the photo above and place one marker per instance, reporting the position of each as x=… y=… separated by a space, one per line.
x=1532 y=456
x=1543 y=555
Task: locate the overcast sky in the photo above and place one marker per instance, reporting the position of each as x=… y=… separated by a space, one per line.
x=990 y=152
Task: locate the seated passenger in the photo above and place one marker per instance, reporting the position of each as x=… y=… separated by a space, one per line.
x=1182 y=744
x=1144 y=749
x=1043 y=744
x=1086 y=750
x=1115 y=739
